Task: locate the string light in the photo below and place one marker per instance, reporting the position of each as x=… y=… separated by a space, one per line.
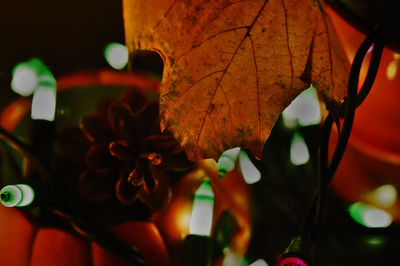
x=259 y=262
x=196 y=249
x=369 y=216
x=44 y=97
x=250 y=173
x=304 y=110
x=227 y=161
x=25 y=76
x=299 y=154
x=116 y=55
x=384 y=196
x=202 y=212
x=16 y=195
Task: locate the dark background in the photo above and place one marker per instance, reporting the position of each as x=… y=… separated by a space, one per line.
x=67 y=35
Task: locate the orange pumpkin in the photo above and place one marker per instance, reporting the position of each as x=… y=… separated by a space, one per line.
x=158 y=240
x=26 y=243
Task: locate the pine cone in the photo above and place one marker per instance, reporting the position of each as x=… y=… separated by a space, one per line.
x=128 y=154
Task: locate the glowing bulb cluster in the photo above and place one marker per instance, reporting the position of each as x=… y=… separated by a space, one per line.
x=16 y=195
x=370 y=216
x=228 y=160
x=33 y=76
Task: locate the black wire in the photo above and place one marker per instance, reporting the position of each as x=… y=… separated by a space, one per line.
x=25 y=151
x=351 y=103
x=373 y=68
x=15 y=168
x=103 y=238
x=326 y=170
x=88 y=230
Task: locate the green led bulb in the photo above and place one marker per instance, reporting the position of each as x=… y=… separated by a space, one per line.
x=227 y=161
x=17 y=195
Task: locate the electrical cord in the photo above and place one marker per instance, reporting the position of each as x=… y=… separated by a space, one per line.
x=326 y=169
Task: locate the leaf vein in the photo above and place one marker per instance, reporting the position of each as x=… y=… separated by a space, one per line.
x=214 y=131
x=288 y=47
x=258 y=94
x=185 y=91
x=224 y=72
x=165 y=15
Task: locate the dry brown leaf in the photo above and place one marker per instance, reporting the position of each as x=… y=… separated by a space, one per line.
x=231 y=67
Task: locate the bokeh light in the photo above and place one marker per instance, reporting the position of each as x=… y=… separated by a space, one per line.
x=202 y=212
x=25 y=76
x=116 y=55
x=391 y=70
x=303 y=110
x=370 y=216
x=259 y=262
x=227 y=161
x=250 y=173
x=17 y=195
x=299 y=154
x=44 y=98
x=384 y=196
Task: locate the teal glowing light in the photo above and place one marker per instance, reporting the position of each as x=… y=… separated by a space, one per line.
x=250 y=173
x=370 y=216
x=16 y=195
x=44 y=97
x=116 y=55
x=227 y=161
x=25 y=76
x=299 y=154
x=202 y=212
x=304 y=109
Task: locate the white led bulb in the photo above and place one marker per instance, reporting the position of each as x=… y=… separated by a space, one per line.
x=227 y=161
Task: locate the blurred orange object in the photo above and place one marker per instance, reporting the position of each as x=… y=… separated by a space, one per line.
x=231 y=193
